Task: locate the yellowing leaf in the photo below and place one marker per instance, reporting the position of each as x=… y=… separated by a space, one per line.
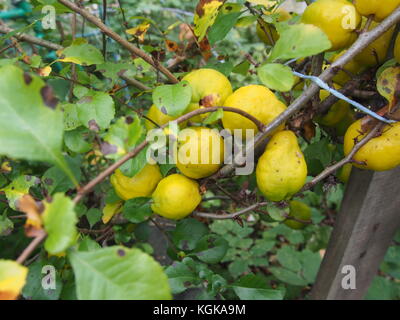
x=389 y=85
x=139 y=31
x=110 y=210
x=205 y=15
x=12 y=279
x=5 y=167
x=18 y=188
x=265 y=3
x=33 y=222
x=44 y=72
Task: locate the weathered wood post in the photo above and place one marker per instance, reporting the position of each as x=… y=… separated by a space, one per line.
x=364 y=228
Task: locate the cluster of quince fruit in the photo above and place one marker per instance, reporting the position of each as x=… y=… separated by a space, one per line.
x=281 y=170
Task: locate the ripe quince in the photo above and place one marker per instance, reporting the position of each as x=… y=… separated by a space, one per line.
x=376 y=52
x=379 y=9
x=281 y=171
x=175 y=197
x=210 y=88
x=256 y=100
x=380 y=153
x=337 y=18
x=200 y=152
x=298 y=210
x=158 y=117
x=283 y=16
x=352 y=67
x=140 y=185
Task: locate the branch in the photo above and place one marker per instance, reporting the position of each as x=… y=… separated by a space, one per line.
x=103 y=175
x=330 y=170
x=301 y=102
x=123 y=42
x=32 y=246
x=230 y=215
x=25 y=37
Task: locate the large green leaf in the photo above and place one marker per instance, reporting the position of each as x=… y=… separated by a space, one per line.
x=31 y=127
x=59 y=219
x=118 y=273
x=276 y=76
x=96 y=110
x=299 y=41
x=253 y=287
x=172 y=99
x=80 y=52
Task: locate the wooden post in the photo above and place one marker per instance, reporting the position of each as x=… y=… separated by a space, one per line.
x=364 y=228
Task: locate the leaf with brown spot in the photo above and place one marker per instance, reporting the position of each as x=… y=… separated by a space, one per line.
x=48 y=97
x=139 y=31
x=172 y=46
x=33 y=225
x=205 y=14
x=388 y=85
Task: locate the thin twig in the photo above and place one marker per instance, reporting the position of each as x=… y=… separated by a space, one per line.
x=123 y=42
x=230 y=215
x=31 y=247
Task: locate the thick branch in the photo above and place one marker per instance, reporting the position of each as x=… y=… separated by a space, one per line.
x=123 y=42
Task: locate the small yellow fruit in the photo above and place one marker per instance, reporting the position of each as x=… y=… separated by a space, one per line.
x=158 y=117
x=176 y=197
x=140 y=185
x=270 y=28
x=337 y=18
x=210 y=88
x=281 y=171
x=380 y=9
x=298 y=210
x=200 y=152
x=336 y=112
x=376 y=52
x=256 y=100
x=352 y=67
x=397 y=49
x=380 y=153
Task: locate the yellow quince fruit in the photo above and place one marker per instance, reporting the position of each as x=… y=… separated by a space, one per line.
x=140 y=185
x=200 y=152
x=12 y=279
x=256 y=100
x=380 y=153
x=380 y=9
x=344 y=173
x=210 y=88
x=281 y=171
x=270 y=28
x=158 y=117
x=175 y=197
x=337 y=18
x=298 y=210
x=336 y=112
x=376 y=52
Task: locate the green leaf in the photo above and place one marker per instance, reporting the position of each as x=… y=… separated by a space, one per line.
x=383 y=289
x=80 y=52
x=137 y=210
x=211 y=248
x=71 y=119
x=221 y=27
x=299 y=41
x=75 y=141
x=133 y=166
x=310 y=264
x=288 y=257
x=114 y=70
x=93 y=216
x=55 y=180
x=242 y=68
x=118 y=273
x=18 y=188
x=181 y=277
x=187 y=233
x=253 y=287
x=214 y=116
x=288 y=276
x=29 y=128
x=59 y=221
x=173 y=99
x=6 y=226
x=96 y=110
x=122 y=136
x=276 y=76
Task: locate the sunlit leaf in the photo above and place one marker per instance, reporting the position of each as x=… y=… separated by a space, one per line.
x=12 y=279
